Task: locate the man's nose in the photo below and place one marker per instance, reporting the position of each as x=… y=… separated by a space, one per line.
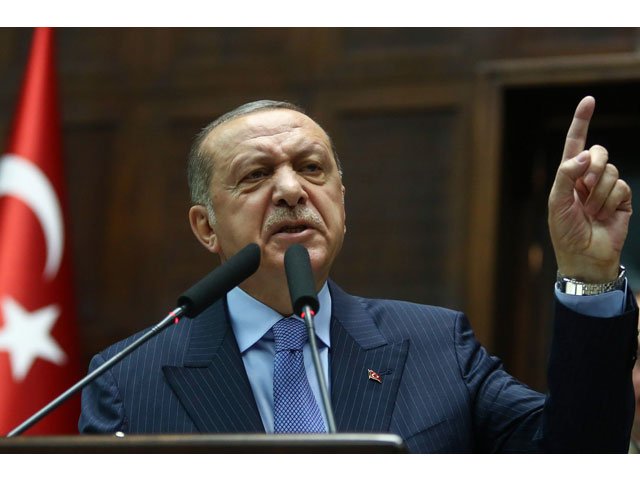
x=288 y=189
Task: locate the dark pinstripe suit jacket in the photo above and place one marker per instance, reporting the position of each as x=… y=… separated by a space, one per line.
x=441 y=391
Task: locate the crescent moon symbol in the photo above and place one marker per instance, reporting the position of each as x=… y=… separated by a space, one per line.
x=22 y=179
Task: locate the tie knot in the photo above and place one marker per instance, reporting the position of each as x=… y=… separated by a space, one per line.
x=290 y=334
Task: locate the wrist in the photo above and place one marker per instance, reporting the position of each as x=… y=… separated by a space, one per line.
x=573 y=286
x=589 y=271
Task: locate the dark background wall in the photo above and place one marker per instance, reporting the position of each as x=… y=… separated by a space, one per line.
x=418 y=116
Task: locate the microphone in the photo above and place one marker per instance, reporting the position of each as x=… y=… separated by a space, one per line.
x=302 y=287
x=211 y=288
x=304 y=300
x=224 y=278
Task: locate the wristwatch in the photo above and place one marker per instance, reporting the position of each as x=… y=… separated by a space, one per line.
x=571 y=286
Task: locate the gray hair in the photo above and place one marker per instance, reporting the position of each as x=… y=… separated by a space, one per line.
x=200 y=164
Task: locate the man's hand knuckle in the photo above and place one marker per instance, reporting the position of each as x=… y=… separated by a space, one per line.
x=625 y=187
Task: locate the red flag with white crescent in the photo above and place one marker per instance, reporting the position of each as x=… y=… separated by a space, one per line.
x=38 y=332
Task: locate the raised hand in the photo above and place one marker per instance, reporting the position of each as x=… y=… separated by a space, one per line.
x=589 y=207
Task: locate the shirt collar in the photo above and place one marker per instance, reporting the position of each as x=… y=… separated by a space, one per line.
x=251 y=319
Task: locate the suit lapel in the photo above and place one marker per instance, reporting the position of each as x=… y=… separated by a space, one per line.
x=362 y=404
x=214 y=388
x=213 y=385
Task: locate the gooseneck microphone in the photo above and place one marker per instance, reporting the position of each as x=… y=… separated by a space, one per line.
x=304 y=300
x=217 y=283
x=208 y=290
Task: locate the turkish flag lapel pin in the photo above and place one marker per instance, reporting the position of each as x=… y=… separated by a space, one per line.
x=375 y=376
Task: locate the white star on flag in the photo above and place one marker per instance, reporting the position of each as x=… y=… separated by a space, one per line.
x=27 y=336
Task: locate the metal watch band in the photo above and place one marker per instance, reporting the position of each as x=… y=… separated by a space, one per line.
x=572 y=286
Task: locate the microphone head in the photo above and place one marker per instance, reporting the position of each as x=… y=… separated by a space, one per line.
x=302 y=287
x=218 y=282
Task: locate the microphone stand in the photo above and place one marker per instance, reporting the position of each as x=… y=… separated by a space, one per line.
x=170 y=319
x=307 y=316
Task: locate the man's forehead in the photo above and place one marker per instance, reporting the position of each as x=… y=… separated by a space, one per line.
x=263 y=123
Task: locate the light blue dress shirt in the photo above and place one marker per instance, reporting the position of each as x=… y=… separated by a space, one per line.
x=251 y=322
x=605 y=305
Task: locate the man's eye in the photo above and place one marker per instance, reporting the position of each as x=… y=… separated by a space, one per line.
x=311 y=168
x=256 y=175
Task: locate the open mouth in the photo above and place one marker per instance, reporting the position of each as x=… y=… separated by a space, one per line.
x=296 y=229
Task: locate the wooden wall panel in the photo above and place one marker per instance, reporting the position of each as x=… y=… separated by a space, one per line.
x=89 y=150
x=504 y=43
x=397 y=171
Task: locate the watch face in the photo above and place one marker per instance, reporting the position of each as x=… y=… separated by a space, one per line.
x=573 y=288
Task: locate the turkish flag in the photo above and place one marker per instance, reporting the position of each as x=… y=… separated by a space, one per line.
x=38 y=336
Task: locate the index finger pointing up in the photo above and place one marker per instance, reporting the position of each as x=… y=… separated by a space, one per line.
x=577 y=135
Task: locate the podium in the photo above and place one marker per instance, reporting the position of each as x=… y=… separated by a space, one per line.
x=350 y=443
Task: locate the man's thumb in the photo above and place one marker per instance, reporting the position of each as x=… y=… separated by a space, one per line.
x=568 y=174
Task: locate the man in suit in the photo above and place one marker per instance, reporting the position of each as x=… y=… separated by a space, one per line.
x=266 y=173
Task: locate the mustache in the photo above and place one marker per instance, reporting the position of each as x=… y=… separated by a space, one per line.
x=300 y=213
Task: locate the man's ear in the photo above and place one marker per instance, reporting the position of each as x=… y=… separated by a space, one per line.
x=202 y=229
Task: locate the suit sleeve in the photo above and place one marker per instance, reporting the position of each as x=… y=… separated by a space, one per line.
x=589 y=406
x=102 y=410
x=507 y=415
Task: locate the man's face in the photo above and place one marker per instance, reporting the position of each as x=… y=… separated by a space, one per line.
x=275 y=183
